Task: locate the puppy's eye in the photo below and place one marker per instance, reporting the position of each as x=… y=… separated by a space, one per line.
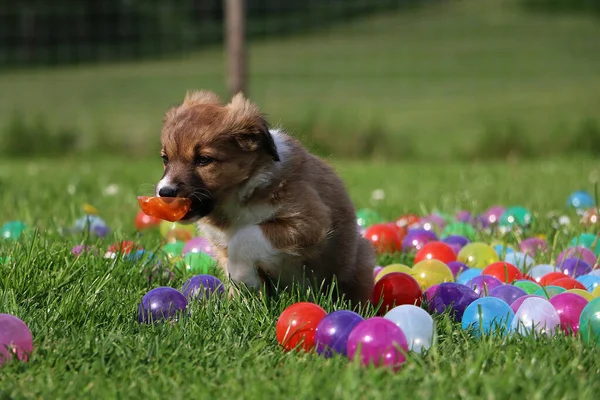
x=165 y=159
x=202 y=160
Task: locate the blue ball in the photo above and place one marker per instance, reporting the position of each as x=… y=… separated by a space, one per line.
x=488 y=315
x=502 y=250
x=580 y=200
x=467 y=275
x=589 y=281
x=520 y=260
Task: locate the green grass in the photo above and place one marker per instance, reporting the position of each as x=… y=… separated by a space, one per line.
x=82 y=312
x=442 y=81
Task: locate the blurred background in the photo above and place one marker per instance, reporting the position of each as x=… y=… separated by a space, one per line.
x=434 y=80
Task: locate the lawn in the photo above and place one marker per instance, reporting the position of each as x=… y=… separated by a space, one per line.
x=442 y=81
x=82 y=311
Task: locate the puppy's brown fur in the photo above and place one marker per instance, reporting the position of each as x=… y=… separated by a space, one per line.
x=270 y=209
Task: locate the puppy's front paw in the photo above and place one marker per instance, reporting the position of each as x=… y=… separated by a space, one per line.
x=243 y=274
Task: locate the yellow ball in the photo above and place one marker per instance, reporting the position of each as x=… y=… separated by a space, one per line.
x=431 y=272
x=172 y=231
x=478 y=255
x=583 y=293
x=393 y=268
x=596 y=292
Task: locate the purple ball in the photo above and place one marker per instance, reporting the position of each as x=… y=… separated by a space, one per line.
x=161 y=303
x=533 y=246
x=15 y=339
x=457 y=267
x=331 y=335
x=201 y=287
x=198 y=245
x=508 y=293
x=378 y=341
x=491 y=216
x=575 y=267
x=453 y=296
x=580 y=252
x=483 y=284
x=417 y=238
x=79 y=249
x=456 y=242
x=464 y=216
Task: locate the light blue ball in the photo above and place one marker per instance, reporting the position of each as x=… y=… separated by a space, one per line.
x=467 y=275
x=488 y=315
x=589 y=281
x=520 y=260
x=580 y=200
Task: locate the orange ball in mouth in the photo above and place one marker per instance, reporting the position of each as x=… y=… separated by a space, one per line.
x=168 y=208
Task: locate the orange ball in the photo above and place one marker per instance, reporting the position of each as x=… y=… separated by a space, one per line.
x=435 y=251
x=297 y=324
x=568 y=283
x=505 y=272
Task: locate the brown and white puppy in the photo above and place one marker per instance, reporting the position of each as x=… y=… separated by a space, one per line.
x=270 y=209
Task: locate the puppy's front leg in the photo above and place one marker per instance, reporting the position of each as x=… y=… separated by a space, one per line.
x=246 y=248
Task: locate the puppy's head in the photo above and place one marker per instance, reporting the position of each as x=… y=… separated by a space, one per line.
x=210 y=150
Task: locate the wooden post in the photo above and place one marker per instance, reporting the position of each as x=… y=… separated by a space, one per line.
x=235 y=37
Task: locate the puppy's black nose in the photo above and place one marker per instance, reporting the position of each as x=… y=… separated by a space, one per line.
x=168 y=191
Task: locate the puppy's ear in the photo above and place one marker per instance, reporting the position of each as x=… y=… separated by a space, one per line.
x=201 y=97
x=249 y=127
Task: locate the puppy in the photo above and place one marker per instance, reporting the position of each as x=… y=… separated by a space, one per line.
x=271 y=210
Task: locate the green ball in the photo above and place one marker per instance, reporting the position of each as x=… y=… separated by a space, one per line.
x=13 y=230
x=459 y=228
x=550 y=291
x=529 y=287
x=173 y=250
x=197 y=263
x=587 y=240
x=589 y=322
x=366 y=217
x=516 y=215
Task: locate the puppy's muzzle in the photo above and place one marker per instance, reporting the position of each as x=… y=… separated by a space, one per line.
x=168 y=191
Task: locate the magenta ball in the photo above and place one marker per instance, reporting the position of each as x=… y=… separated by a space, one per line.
x=457 y=267
x=15 y=339
x=378 y=341
x=464 y=216
x=508 y=293
x=483 y=284
x=433 y=222
x=417 y=238
x=201 y=287
x=430 y=292
x=331 y=335
x=574 y=267
x=580 y=252
x=376 y=271
x=517 y=303
x=569 y=307
x=533 y=246
x=160 y=304
x=491 y=216
x=198 y=245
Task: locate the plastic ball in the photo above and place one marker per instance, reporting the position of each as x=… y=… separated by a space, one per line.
x=384 y=238
x=15 y=339
x=13 y=230
x=590 y=217
x=589 y=281
x=201 y=287
x=528 y=286
x=575 y=267
x=517 y=303
x=467 y=275
x=431 y=272
x=459 y=228
x=196 y=263
x=502 y=250
x=539 y=271
x=429 y=293
x=393 y=268
x=587 y=240
x=569 y=307
x=596 y=292
x=507 y=293
x=123 y=247
x=583 y=293
x=198 y=244
x=519 y=260
x=435 y=251
x=456 y=242
x=503 y=271
x=173 y=231
x=550 y=291
x=161 y=304
x=331 y=334
x=453 y=297
x=457 y=267
x=533 y=246
x=535 y=315
x=487 y=315
x=580 y=199
x=296 y=326
x=173 y=250
x=416 y=238
x=482 y=284
x=551 y=277
x=516 y=216
x=366 y=217
x=93 y=224
x=589 y=322
x=376 y=271
x=580 y=252
x=491 y=216
x=144 y=221
x=568 y=283
x=478 y=255
x=417 y=325
x=395 y=289
x=378 y=341
x=407 y=221
x=432 y=222
x=463 y=216
x=80 y=249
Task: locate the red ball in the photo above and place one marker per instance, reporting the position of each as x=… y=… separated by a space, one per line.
x=568 y=283
x=145 y=221
x=125 y=247
x=405 y=221
x=435 y=251
x=505 y=272
x=551 y=277
x=384 y=238
x=401 y=231
x=395 y=289
x=297 y=324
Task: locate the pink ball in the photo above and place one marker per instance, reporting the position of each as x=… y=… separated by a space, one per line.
x=198 y=245
x=15 y=339
x=569 y=307
x=376 y=270
x=430 y=292
x=378 y=341
x=517 y=303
